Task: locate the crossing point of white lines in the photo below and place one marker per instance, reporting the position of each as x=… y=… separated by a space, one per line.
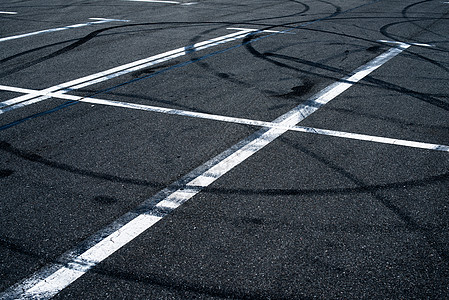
x=99 y=21
x=52 y=279
x=243 y=121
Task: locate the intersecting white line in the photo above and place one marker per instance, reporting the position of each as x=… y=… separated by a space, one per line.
x=50 y=280
x=243 y=121
x=100 y=21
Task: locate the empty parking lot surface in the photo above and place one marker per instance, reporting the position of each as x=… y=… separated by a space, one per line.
x=224 y=149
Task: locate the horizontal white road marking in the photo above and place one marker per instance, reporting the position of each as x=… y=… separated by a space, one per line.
x=8 y=12
x=25 y=100
x=376 y=139
x=156 y=1
x=46 y=283
x=234 y=120
x=109 y=20
x=101 y=21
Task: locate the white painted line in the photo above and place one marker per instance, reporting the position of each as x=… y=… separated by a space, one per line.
x=371 y=138
x=259 y=30
x=8 y=12
x=25 y=100
x=243 y=121
x=422 y=45
x=402 y=43
x=109 y=20
x=156 y=1
x=50 y=280
x=91 y=257
x=59 y=29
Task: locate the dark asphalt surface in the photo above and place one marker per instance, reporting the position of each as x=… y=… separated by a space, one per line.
x=309 y=216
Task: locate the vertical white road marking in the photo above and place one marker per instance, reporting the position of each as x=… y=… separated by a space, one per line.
x=101 y=21
x=52 y=279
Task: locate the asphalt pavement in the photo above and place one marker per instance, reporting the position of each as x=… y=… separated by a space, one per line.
x=224 y=149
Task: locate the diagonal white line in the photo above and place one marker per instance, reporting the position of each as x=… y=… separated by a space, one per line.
x=52 y=279
x=25 y=100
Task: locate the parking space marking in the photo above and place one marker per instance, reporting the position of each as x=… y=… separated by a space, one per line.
x=46 y=283
x=29 y=99
x=242 y=121
x=8 y=12
x=100 y=21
